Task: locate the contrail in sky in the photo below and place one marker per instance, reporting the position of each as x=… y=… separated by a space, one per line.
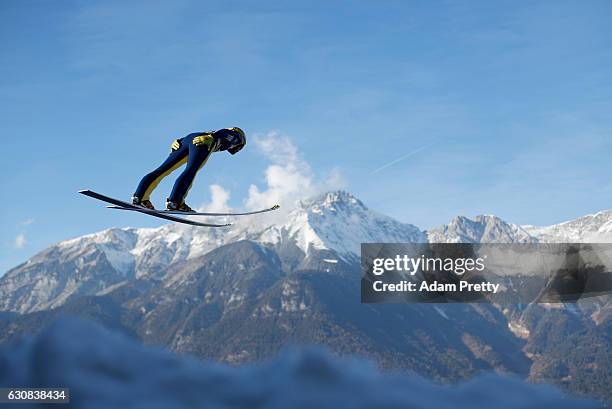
x=401 y=158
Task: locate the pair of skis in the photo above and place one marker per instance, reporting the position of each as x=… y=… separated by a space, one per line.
x=168 y=214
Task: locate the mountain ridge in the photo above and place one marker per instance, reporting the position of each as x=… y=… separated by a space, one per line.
x=333 y=222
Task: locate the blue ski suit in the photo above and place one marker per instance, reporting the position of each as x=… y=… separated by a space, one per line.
x=186 y=152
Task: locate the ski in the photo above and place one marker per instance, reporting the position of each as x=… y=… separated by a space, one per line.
x=269 y=209
x=154 y=213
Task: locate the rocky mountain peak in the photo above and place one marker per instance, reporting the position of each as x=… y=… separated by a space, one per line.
x=594 y=228
x=333 y=201
x=480 y=229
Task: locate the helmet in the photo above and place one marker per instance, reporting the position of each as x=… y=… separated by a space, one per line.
x=239 y=140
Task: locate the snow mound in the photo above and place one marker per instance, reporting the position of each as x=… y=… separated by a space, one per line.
x=108 y=370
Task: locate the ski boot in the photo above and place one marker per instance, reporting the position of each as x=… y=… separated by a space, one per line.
x=136 y=201
x=170 y=205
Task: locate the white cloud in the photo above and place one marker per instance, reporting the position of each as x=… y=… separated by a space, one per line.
x=288 y=177
x=333 y=181
x=20 y=241
x=219 y=198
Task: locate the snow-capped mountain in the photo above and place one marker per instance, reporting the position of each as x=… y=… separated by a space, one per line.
x=340 y=222
x=334 y=223
x=593 y=228
x=480 y=229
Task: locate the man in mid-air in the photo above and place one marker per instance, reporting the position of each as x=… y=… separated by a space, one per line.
x=194 y=150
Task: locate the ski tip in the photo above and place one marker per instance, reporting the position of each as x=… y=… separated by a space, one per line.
x=276 y=206
x=83 y=191
x=212 y=225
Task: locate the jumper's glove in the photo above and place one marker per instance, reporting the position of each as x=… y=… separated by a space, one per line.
x=176 y=145
x=202 y=140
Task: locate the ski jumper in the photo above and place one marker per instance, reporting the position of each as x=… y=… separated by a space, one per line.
x=193 y=150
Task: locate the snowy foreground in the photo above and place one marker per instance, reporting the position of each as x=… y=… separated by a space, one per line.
x=108 y=370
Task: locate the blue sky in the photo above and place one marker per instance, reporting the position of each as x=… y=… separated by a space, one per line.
x=505 y=104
